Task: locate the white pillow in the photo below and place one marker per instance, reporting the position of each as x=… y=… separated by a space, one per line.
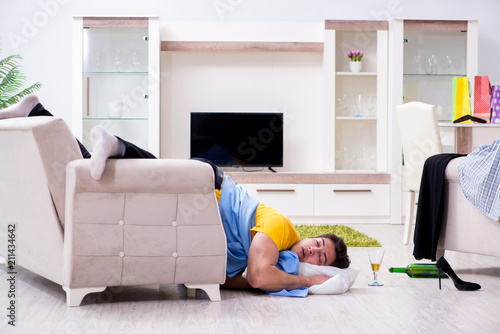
x=341 y=281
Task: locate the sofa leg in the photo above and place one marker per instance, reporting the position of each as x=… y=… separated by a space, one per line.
x=212 y=290
x=74 y=296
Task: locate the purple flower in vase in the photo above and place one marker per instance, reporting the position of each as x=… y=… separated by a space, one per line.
x=355 y=55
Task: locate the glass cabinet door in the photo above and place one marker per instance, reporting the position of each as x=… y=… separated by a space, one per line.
x=356 y=105
x=431 y=59
x=360 y=109
x=115 y=82
x=433 y=52
x=118 y=84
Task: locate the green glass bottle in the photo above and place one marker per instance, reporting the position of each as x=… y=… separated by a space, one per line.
x=419 y=270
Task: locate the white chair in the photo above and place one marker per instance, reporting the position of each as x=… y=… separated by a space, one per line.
x=420 y=138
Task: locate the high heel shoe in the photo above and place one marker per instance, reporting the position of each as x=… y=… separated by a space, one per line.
x=443 y=266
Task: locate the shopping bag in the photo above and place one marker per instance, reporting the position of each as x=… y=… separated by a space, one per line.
x=482 y=91
x=495 y=104
x=461 y=98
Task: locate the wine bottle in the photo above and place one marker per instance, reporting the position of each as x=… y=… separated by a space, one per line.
x=419 y=270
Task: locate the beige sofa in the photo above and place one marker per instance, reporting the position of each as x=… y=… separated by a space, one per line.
x=465 y=229
x=145 y=222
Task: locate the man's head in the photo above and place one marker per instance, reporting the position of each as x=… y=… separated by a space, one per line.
x=325 y=250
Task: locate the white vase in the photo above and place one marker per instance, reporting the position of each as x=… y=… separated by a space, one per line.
x=355 y=66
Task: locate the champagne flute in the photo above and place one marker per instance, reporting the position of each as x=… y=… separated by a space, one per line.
x=117 y=59
x=100 y=57
x=376 y=256
x=135 y=59
x=416 y=64
x=359 y=104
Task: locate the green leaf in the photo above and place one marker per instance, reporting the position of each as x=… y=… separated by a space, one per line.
x=12 y=81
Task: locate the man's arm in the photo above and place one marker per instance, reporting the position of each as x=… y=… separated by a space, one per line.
x=262 y=272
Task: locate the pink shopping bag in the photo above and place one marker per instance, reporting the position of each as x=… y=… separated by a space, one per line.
x=482 y=91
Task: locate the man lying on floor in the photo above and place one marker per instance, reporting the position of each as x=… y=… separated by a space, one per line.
x=261 y=241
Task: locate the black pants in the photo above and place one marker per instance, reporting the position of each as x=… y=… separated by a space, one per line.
x=131 y=150
x=430 y=206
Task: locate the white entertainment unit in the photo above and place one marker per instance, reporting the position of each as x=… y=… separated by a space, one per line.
x=342 y=152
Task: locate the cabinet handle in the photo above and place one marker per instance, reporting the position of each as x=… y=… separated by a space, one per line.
x=276 y=190
x=88 y=96
x=352 y=190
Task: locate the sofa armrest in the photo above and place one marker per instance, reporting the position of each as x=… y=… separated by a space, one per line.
x=147 y=221
x=451 y=171
x=143 y=175
x=465 y=228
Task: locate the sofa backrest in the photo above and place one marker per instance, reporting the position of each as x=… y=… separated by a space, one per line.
x=29 y=144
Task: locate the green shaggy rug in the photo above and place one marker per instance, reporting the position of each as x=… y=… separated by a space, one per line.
x=352 y=238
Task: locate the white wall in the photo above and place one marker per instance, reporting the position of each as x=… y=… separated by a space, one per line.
x=40 y=30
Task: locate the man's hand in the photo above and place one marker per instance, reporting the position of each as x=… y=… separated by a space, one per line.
x=263 y=274
x=319 y=279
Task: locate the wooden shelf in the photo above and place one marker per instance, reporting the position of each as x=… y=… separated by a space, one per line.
x=435 y=25
x=361 y=25
x=362 y=74
x=115 y=22
x=310 y=178
x=202 y=46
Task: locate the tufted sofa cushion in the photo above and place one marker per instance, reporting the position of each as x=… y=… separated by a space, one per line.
x=144 y=222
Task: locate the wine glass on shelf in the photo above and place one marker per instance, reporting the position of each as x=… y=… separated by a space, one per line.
x=432 y=65
x=358 y=100
x=347 y=158
x=371 y=106
x=416 y=64
x=340 y=106
x=343 y=105
x=135 y=59
x=99 y=59
x=448 y=64
x=376 y=255
x=117 y=59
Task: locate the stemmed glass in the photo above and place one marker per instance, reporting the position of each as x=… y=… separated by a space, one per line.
x=416 y=64
x=135 y=59
x=448 y=63
x=376 y=256
x=117 y=59
x=359 y=104
x=100 y=57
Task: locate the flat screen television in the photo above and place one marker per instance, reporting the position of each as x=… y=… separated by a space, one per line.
x=238 y=139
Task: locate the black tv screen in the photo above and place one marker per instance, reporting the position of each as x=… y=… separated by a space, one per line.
x=238 y=139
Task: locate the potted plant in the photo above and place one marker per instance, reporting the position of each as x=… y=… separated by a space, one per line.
x=12 y=81
x=355 y=60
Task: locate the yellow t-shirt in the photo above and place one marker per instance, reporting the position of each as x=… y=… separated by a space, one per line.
x=273 y=223
x=276 y=225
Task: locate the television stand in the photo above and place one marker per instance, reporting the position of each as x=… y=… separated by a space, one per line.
x=271 y=169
